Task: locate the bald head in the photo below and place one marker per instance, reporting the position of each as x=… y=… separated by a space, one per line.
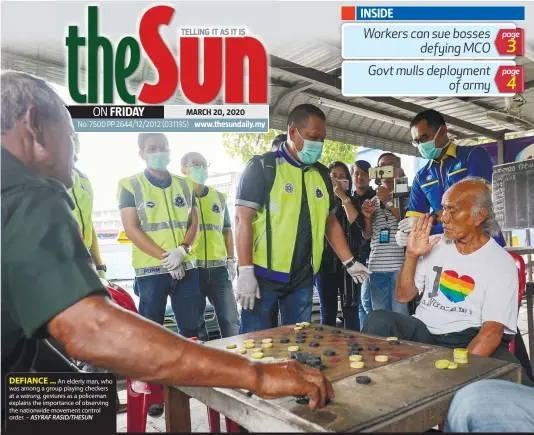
x=468 y=207
x=36 y=126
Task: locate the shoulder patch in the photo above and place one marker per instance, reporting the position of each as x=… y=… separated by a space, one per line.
x=319 y=193
x=215 y=208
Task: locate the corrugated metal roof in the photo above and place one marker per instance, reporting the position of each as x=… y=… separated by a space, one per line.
x=344 y=125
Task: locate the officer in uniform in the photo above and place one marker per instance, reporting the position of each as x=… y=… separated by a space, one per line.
x=213 y=248
x=159 y=215
x=280 y=228
x=448 y=163
x=81 y=194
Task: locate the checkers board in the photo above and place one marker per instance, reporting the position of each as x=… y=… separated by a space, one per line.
x=337 y=366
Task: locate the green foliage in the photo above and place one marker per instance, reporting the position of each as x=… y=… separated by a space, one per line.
x=246 y=145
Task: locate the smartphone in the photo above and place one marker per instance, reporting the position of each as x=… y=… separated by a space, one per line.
x=384 y=235
x=381 y=172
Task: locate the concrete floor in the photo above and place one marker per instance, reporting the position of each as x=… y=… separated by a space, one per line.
x=199 y=415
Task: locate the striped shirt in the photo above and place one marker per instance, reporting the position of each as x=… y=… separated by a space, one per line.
x=385 y=257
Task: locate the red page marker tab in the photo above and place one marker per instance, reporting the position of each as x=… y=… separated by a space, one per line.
x=510 y=79
x=510 y=42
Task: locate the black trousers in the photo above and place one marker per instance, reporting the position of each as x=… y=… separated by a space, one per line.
x=389 y=324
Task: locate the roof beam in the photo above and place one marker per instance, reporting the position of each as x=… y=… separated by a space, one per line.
x=290 y=90
x=351 y=137
x=305 y=72
x=416 y=108
x=317 y=94
x=335 y=82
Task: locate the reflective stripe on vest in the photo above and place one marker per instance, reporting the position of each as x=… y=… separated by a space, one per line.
x=81 y=194
x=163 y=217
x=285 y=205
x=210 y=247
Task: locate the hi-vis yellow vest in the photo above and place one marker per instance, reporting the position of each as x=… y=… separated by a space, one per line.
x=209 y=246
x=163 y=216
x=81 y=194
x=285 y=205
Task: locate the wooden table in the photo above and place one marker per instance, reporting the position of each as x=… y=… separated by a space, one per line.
x=409 y=395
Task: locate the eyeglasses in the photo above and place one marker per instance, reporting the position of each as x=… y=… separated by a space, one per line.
x=198 y=165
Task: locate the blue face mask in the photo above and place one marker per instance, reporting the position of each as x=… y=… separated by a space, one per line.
x=428 y=149
x=199 y=174
x=311 y=151
x=158 y=161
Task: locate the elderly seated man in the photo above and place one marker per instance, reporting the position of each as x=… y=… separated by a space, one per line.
x=469 y=284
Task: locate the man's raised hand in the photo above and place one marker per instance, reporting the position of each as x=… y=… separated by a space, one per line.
x=419 y=242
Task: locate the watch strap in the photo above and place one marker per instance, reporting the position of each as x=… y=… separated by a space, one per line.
x=102 y=267
x=187 y=247
x=349 y=264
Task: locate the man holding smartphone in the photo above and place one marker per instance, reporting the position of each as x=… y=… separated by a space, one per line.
x=381 y=224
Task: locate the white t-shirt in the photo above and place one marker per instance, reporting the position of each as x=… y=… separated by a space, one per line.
x=464 y=291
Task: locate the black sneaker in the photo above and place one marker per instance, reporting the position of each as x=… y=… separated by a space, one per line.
x=121 y=407
x=155 y=410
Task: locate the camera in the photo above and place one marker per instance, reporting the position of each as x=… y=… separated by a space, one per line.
x=381 y=172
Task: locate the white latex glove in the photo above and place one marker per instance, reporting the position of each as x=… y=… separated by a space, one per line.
x=173 y=258
x=405 y=228
x=178 y=273
x=358 y=271
x=231 y=267
x=247 y=289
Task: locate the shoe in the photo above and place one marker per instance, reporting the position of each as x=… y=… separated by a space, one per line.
x=155 y=410
x=121 y=407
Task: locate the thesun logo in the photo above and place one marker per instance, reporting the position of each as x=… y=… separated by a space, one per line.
x=224 y=56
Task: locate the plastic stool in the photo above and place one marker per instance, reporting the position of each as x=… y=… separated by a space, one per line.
x=140 y=396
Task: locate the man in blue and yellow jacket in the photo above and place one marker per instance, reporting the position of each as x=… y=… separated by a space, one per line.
x=447 y=164
x=159 y=215
x=280 y=240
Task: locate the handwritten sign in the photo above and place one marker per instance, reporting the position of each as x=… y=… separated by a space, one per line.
x=513 y=195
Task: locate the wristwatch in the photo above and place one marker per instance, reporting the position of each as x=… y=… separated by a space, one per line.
x=350 y=264
x=187 y=247
x=102 y=268
x=389 y=204
x=346 y=200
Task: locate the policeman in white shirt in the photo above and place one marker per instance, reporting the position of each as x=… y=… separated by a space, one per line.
x=469 y=283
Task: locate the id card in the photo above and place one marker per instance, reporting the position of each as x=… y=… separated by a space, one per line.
x=384 y=235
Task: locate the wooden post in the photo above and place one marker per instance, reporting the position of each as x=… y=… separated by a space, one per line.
x=177 y=411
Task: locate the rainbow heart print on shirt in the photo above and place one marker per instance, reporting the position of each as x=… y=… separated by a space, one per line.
x=456 y=288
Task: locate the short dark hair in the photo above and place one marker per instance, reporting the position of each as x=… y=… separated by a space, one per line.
x=388 y=154
x=187 y=157
x=300 y=114
x=279 y=140
x=364 y=165
x=142 y=137
x=343 y=166
x=432 y=117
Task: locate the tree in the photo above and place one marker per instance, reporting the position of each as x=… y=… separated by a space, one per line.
x=246 y=145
